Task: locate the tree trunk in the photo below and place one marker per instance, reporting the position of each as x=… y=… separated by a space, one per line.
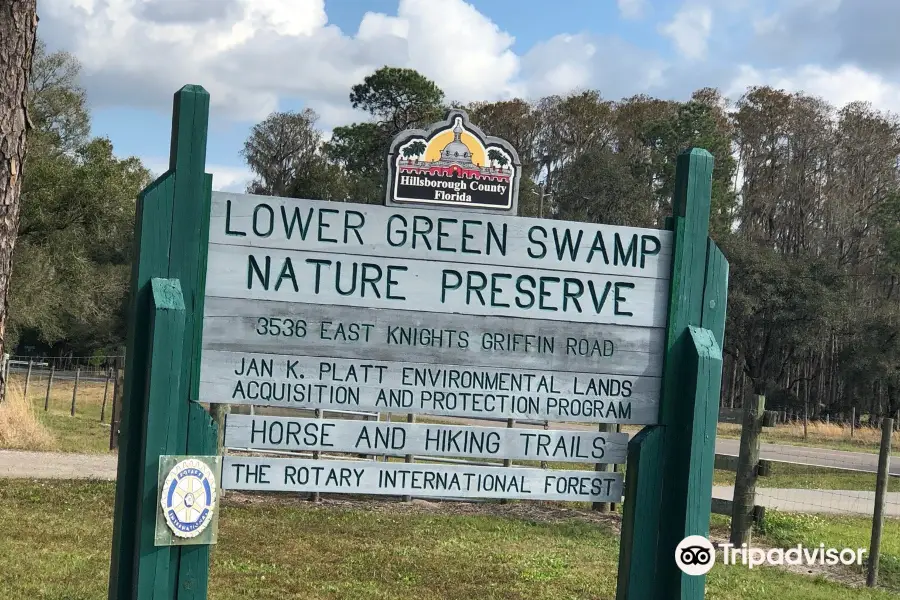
x=18 y=26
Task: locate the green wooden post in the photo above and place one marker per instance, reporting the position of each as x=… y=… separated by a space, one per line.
x=670 y=466
x=171 y=235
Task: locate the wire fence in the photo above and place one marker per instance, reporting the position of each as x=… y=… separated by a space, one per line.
x=816 y=483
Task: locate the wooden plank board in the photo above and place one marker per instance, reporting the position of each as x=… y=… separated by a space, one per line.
x=418 y=479
x=444 y=235
x=415 y=336
x=422 y=439
x=434 y=286
x=382 y=386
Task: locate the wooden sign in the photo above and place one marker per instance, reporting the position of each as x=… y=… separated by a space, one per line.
x=266 y=222
x=285 y=302
x=389 y=386
x=433 y=286
x=421 y=480
x=407 y=289
x=265 y=326
x=422 y=439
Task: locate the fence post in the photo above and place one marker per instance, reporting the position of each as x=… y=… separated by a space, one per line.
x=805 y=419
x=510 y=423
x=28 y=376
x=171 y=240
x=601 y=467
x=410 y=418
x=5 y=370
x=747 y=468
x=884 y=465
x=105 y=391
x=75 y=390
x=669 y=473
x=852 y=421
x=617 y=428
x=315 y=495
x=546 y=427
x=118 y=387
x=49 y=386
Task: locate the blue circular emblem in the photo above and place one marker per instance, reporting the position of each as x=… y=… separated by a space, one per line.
x=189 y=498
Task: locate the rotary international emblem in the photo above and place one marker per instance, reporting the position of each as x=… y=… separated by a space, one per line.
x=189 y=498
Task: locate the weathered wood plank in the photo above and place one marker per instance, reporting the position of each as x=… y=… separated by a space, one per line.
x=417 y=479
x=640 y=516
x=415 y=336
x=688 y=404
x=422 y=439
x=729 y=462
x=720 y=506
x=152 y=236
x=161 y=433
x=434 y=286
x=439 y=235
x=310 y=382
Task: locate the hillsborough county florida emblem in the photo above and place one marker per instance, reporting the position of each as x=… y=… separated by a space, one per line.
x=452 y=163
x=189 y=498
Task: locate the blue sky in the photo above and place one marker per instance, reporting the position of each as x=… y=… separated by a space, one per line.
x=255 y=56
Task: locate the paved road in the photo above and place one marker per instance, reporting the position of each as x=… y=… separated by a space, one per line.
x=822 y=457
x=818 y=501
x=57 y=465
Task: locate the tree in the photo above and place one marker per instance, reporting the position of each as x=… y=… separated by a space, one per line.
x=56 y=104
x=280 y=151
x=515 y=121
x=596 y=188
x=73 y=253
x=18 y=25
x=399 y=99
x=73 y=256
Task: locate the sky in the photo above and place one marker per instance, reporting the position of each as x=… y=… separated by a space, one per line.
x=258 y=56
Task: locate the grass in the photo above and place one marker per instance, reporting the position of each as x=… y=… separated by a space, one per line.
x=55 y=429
x=20 y=427
x=786 y=475
x=819 y=435
x=279 y=548
x=783 y=529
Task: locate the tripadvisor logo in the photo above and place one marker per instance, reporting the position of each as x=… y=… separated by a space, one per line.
x=452 y=163
x=696 y=555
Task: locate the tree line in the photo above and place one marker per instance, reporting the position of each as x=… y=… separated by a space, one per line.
x=806 y=206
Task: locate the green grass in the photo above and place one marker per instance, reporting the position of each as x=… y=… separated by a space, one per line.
x=785 y=475
x=784 y=529
x=59 y=550
x=82 y=433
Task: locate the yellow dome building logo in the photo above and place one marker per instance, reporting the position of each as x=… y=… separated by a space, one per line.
x=452 y=163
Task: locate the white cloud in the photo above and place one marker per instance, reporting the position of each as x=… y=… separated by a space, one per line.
x=689 y=30
x=568 y=62
x=632 y=9
x=838 y=86
x=226 y=178
x=251 y=54
x=229 y=179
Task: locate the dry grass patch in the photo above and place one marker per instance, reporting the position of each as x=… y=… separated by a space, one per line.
x=822 y=435
x=20 y=428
